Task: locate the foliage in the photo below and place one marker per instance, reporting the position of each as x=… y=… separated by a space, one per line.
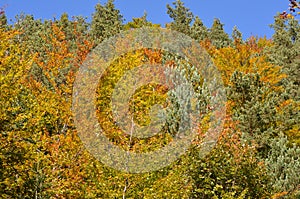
x=182 y=17
x=218 y=36
x=231 y=170
x=283 y=166
x=139 y=22
x=41 y=155
x=106 y=22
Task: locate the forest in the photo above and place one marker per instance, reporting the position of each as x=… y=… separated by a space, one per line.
x=257 y=151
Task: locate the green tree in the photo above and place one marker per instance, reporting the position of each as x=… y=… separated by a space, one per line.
x=198 y=31
x=255 y=109
x=218 y=36
x=286 y=49
x=230 y=170
x=106 y=22
x=236 y=35
x=283 y=166
x=182 y=17
x=286 y=53
x=3 y=19
x=139 y=22
x=31 y=30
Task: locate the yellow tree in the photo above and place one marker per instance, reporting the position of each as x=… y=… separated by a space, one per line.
x=16 y=102
x=246 y=57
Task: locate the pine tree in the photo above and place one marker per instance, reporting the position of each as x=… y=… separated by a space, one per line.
x=198 y=30
x=255 y=109
x=72 y=29
x=283 y=165
x=106 y=22
x=286 y=53
x=182 y=17
x=31 y=30
x=139 y=22
x=236 y=35
x=66 y=26
x=3 y=19
x=218 y=36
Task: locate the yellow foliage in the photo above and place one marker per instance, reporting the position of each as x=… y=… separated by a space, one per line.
x=246 y=58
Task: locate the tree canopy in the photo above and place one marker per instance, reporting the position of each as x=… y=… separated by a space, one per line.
x=41 y=155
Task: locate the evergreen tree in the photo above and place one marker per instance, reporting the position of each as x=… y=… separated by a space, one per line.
x=106 y=22
x=286 y=53
x=218 y=36
x=3 y=19
x=283 y=165
x=255 y=109
x=139 y=22
x=66 y=26
x=236 y=35
x=182 y=17
x=198 y=30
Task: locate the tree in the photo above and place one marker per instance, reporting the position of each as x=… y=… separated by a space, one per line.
x=283 y=166
x=182 y=17
x=139 y=23
x=106 y=22
x=41 y=155
x=236 y=35
x=286 y=53
x=218 y=36
x=16 y=147
x=3 y=19
x=248 y=57
x=198 y=31
x=230 y=170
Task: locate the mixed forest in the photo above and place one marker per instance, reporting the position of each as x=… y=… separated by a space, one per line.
x=257 y=154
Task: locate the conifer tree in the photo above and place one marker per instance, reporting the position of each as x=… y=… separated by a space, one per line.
x=182 y=17
x=198 y=30
x=236 y=35
x=106 y=22
x=255 y=109
x=218 y=36
x=31 y=30
x=139 y=22
x=286 y=53
x=283 y=165
x=3 y=18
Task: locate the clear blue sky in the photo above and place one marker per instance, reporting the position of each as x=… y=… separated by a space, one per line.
x=252 y=17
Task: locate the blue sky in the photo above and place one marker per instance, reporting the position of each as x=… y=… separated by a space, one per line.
x=252 y=17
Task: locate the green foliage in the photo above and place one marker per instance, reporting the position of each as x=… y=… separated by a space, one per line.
x=236 y=35
x=3 y=19
x=106 y=22
x=231 y=170
x=286 y=49
x=286 y=53
x=255 y=109
x=283 y=166
x=198 y=31
x=41 y=155
x=218 y=36
x=139 y=22
x=182 y=17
